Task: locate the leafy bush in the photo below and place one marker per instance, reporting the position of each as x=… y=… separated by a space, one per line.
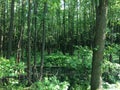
x=51 y=83
x=80 y=62
x=111 y=72
x=108 y=86
x=82 y=56
x=10 y=68
x=57 y=60
x=9 y=71
x=111 y=68
x=114 y=50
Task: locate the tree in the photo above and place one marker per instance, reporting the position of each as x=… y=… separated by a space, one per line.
x=63 y=46
x=43 y=39
x=35 y=39
x=10 y=33
x=99 y=41
x=2 y=29
x=20 y=30
x=29 y=42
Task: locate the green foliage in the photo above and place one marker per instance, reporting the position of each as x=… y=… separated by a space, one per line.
x=82 y=56
x=114 y=50
x=80 y=62
x=51 y=83
x=10 y=68
x=108 y=86
x=56 y=60
x=12 y=87
x=81 y=87
x=111 y=72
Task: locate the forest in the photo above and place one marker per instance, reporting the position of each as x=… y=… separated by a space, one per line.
x=59 y=44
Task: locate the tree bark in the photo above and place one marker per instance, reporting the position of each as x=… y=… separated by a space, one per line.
x=35 y=40
x=2 y=28
x=22 y=27
x=43 y=40
x=20 y=35
x=99 y=41
x=10 y=33
x=119 y=58
x=29 y=44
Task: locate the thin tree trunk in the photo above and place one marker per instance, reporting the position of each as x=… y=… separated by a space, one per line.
x=22 y=27
x=4 y=28
x=29 y=44
x=35 y=40
x=59 y=25
x=43 y=40
x=20 y=36
x=101 y=20
x=10 y=33
x=77 y=26
x=64 y=29
x=1 y=28
x=119 y=59
x=2 y=22
x=64 y=19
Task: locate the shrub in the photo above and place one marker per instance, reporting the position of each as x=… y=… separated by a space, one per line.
x=8 y=68
x=51 y=83
x=111 y=72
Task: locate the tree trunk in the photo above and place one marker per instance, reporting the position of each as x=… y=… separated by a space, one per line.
x=64 y=19
x=99 y=41
x=10 y=33
x=119 y=59
x=35 y=41
x=22 y=27
x=2 y=24
x=110 y=57
x=29 y=44
x=43 y=40
x=20 y=35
